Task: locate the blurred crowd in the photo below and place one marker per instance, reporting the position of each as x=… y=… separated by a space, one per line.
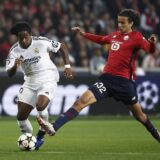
x=55 y=18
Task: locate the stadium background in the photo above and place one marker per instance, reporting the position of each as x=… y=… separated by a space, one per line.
x=54 y=19
x=67 y=92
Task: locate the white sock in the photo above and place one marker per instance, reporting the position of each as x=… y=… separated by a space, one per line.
x=44 y=114
x=25 y=126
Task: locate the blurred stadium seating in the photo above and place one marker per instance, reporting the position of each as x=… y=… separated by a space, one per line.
x=54 y=19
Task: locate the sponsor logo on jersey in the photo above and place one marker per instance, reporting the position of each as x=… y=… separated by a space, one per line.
x=36 y=50
x=115 y=46
x=32 y=60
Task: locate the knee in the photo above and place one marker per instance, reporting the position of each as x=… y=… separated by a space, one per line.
x=21 y=117
x=79 y=104
x=40 y=107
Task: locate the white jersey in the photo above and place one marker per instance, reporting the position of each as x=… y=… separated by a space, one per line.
x=36 y=63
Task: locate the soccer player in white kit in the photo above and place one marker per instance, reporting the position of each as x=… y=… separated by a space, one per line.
x=40 y=74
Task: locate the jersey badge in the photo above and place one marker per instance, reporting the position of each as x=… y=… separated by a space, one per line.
x=126 y=38
x=36 y=50
x=114 y=36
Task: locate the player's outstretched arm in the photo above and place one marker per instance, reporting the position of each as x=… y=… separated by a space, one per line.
x=12 y=71
x=68 y=70
x=147 y=45
x=102 y=40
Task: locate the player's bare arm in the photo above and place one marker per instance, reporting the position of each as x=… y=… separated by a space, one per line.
x=68 y=70
x=11 y=72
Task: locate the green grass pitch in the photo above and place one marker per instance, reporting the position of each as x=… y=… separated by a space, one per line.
x=93 y=138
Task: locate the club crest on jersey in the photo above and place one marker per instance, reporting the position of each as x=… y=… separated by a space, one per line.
x=126 y=38
x=36 y=50
x=114 y=36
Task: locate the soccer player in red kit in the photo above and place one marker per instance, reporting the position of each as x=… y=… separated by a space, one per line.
x=117 y=79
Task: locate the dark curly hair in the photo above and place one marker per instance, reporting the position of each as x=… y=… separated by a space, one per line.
x=133 y=15
x=20 y=26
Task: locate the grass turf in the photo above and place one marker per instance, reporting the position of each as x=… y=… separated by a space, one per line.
x=93 y=138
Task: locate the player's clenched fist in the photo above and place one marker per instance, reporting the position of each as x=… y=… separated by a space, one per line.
x=17 y=62
x=78 y=30
x=68 y=73
x=152 y=39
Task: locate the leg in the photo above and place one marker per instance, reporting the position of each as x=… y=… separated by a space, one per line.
x=41 y=104
x=95 y=93
x=45 y=94
x=86 y=99
x=141 y=117
x=22 y=117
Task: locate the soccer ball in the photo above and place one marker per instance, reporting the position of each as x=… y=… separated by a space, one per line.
x=27 y=142
x=148 y=94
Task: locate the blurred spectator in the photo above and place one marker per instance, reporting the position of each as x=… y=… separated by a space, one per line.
x=98 y=6
x=157 y=5
x=97 y=62
x=152 y=61
x=149 y=20
x=4 y=47
x=102 y=23
x=121 y=4
x=54 y=19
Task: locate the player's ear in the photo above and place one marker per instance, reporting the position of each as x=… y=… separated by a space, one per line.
x=131 y=24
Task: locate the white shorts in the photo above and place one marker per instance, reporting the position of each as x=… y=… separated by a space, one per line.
x=29 y=95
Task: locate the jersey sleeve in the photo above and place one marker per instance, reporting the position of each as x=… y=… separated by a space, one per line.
x=10 y=60
x=145 y=44
x=54 y=46
x=97 y=38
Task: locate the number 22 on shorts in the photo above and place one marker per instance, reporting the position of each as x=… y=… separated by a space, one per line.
x=100 y=86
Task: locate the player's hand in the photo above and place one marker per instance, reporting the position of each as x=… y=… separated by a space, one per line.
x=68 y=73
x=152 y=39
x=78 y=30
x=17 y=62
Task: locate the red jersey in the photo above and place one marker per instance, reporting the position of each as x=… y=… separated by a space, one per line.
x=123 y=51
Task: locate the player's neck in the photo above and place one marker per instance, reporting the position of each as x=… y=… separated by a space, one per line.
x=127 y=32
